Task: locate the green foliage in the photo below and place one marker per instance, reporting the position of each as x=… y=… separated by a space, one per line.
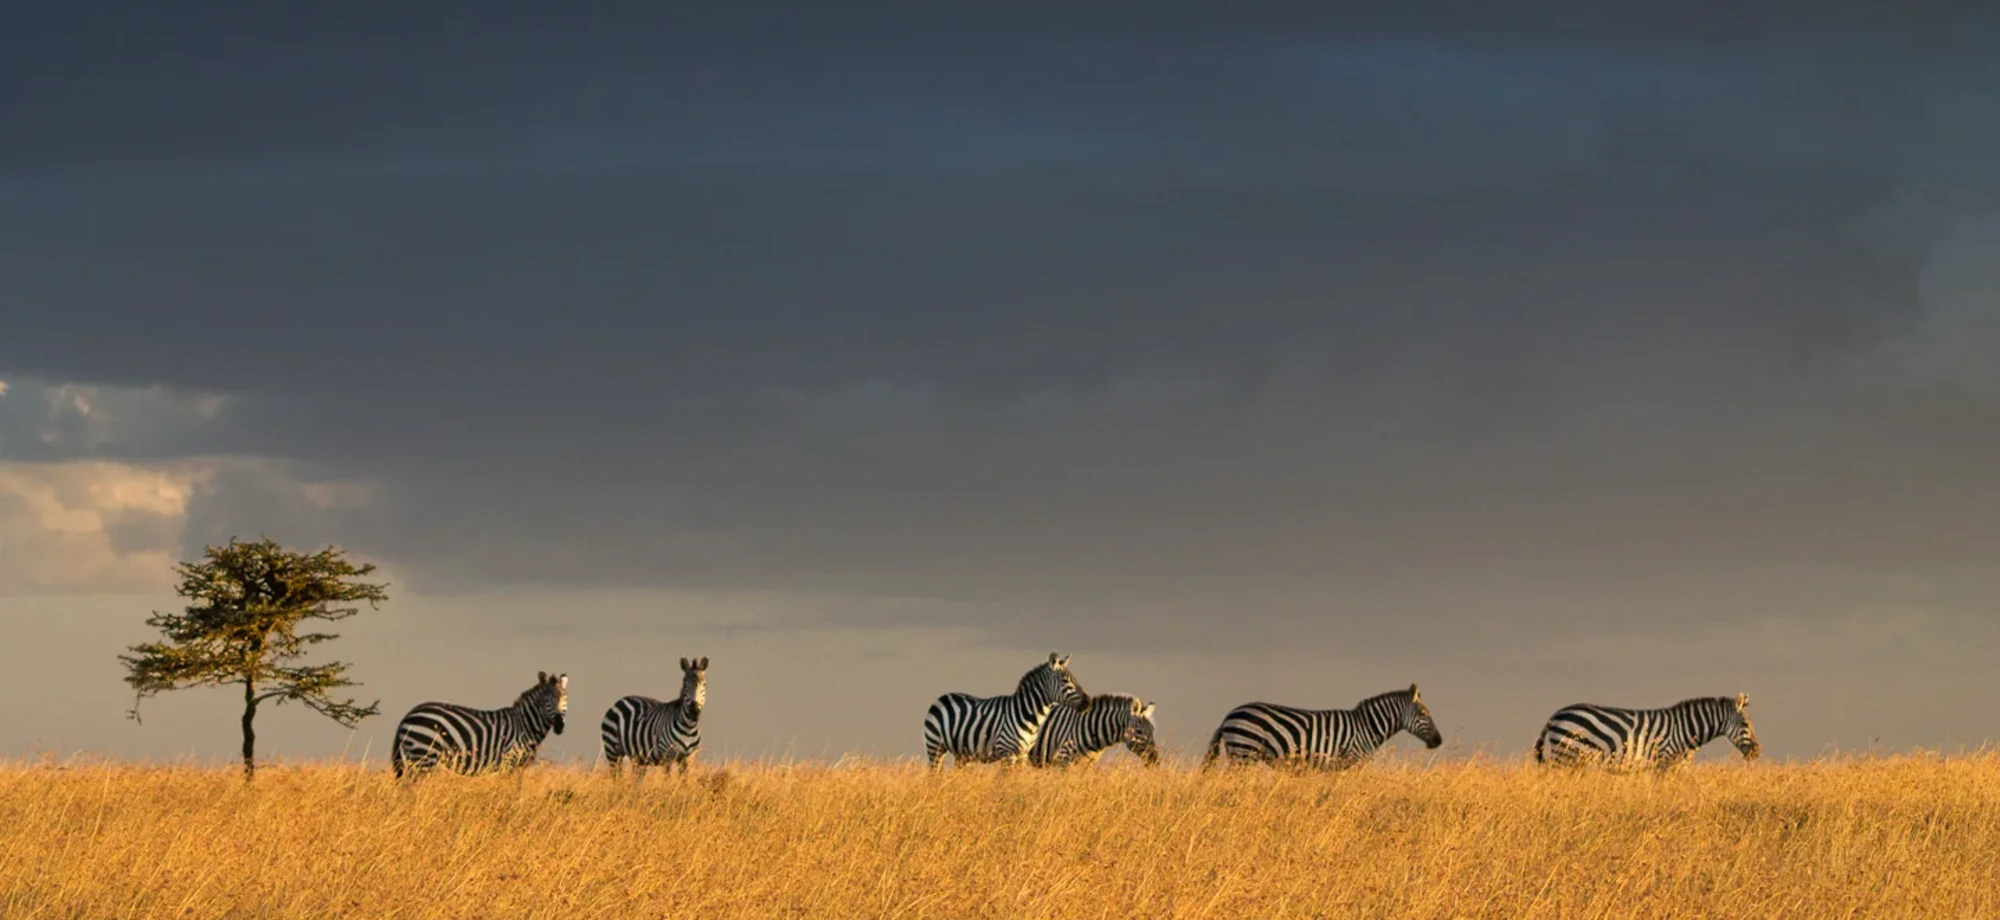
x=247 y=602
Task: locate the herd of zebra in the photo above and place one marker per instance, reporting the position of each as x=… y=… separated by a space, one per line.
x=1050 y=721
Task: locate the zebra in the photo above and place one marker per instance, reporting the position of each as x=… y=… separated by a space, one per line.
x=1000 y=729
x=651 y=732
x=1325 y=738
x=1587 y=734
x=1071 y=735
x=469 y=741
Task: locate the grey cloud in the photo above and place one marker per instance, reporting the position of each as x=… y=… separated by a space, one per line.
x=240 y=88
x=745 y=282
x=293 y=503
x=1290 y=351
x=40 y=421
x=134 y=530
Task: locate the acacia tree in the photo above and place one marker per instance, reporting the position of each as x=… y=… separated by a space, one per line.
x=241 y=626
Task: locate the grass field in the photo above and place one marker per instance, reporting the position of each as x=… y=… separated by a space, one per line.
x=1888 y=837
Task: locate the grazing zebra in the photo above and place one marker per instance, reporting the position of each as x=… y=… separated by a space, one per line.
x=1000 y=729
x=1072 y=735
x=1325 y=738
x=1587 y=734
x=469 y=740
x=651 y=732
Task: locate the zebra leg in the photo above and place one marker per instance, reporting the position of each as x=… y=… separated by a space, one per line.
x=1228 y=756
x=410 y=768
x=1565 y=752
x=684 y=763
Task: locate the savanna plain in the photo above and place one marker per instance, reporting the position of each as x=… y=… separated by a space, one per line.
x=1904 y=836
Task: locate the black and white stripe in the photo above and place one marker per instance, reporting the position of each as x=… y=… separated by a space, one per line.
x=1000 y=728
x=1325 y=738
x=650 y=732
x=469 y=740
x=1588 y=734
x=1071 y=735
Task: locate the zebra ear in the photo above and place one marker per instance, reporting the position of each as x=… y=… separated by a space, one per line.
x=703 y=665
x=1147 y=713
x=541 y=677
x=1742 y=700
x=562 y=680
x=687 y=665
x=1413 y=692
x=1055 y=659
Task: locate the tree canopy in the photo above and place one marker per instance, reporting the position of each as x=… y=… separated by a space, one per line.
x=242 y=625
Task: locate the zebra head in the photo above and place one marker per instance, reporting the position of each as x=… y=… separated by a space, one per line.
x=1052 y=681
x=694 y=684
x=1417 y=721
x=1741 y=732
x=1139 y=733
x=548 y=699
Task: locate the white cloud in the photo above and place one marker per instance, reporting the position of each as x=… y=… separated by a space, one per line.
x=83 y=511
x=89 y=525
x=99 y=527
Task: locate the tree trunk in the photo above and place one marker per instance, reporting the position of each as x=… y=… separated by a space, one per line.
x=249 y=729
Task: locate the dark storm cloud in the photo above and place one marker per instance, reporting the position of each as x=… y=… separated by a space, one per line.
x=234 y=85
x=1290 y=310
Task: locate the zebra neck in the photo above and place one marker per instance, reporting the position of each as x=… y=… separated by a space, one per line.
x=1378 y=725
x=687 y=718
x=1030 y=713
x=1702 y=726
x=529 y=720
x=1099 y=734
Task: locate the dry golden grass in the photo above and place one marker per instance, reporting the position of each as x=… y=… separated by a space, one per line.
x=1893 y=837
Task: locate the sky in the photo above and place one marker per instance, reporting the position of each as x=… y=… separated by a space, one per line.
x=1295 y=353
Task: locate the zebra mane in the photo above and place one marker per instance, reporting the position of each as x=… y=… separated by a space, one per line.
x=1695 y=702
x=1033 y=673
x=1122 y=701
x=1403 y=695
